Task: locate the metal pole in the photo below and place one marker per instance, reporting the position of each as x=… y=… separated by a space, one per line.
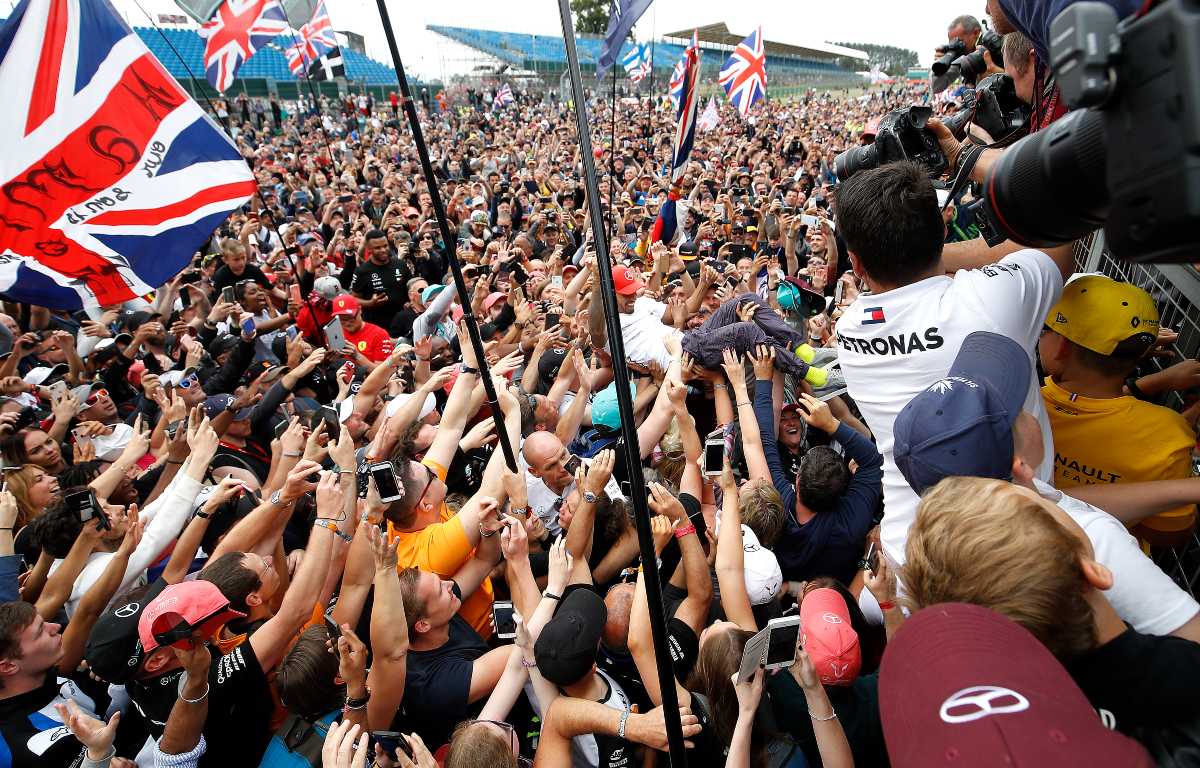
x=448 y=239
x=612 y=157
x=637 y=481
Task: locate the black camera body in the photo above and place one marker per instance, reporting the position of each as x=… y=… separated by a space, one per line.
x=1128 y=158
x=902 y=135
x=948 y=54
x=993 y=106
x=972 y=65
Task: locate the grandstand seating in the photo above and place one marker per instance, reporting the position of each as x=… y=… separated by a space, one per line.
x=182 y=52
x=546 y=52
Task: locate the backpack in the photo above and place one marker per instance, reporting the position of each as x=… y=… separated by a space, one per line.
x=298 y=742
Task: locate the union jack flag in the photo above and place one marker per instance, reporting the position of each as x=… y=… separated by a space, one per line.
x=316 y=40
x=504 y=97
x=675 y=86
x=666 y=225
x=234 y=33
x=111 y=175
x=744 y=75
x=636 y=62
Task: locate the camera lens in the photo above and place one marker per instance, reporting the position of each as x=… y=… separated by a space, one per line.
x=854 y=160
x=1049 y=188
x=942 y=65
x=972 y=65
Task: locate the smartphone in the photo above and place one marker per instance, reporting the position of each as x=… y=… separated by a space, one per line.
x=753 y=655
x=383 y=474
x=227 y=294
x=173 y=429
x=782 y=634
x=808 y=220
x=294 y=293
x=85 y=505
x=552 y=320
x=871 y=557
x=389 y=742
x=714 y=453
x=334 y=336
x=345 y=198
x=347 y=371
x=333 y=424
x=292 y=332
x=58 y=388
x=185 y=297
x=80 y=438
x=332 y=628
x=248 y=326
x=837 y=293
x=502 y=614
x=573 y=464
x=280 y=428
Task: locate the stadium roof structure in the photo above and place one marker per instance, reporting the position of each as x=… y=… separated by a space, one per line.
x=719 y=34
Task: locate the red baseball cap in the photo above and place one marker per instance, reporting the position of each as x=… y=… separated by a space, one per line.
x=961 y=684
x=345 y=305
x=627 y=280
x=182 y=609
x=829 y=639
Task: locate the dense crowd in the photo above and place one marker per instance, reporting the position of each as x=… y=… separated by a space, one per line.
x=262 y=518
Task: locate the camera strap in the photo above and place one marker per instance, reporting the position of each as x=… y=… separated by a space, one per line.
x=966 y=162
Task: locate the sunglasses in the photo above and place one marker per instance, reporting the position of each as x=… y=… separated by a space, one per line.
x=511 y=732
x=95 y=396
x=187 y=382
x=432 y=477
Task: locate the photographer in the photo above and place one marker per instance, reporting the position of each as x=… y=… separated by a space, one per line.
x=962 y=35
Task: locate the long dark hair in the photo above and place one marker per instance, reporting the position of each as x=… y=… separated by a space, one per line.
x=720 y=656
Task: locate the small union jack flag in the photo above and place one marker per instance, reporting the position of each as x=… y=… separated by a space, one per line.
x=316 y=40
x=744 y=75
x=504 y=97
x=234 y=33
x=679 y=74
x=111 y=175
x=873 y=316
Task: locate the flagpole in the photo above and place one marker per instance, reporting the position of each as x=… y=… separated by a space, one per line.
x=612 y=157
x=316 y=103
x=448 y=239
x=637 y=481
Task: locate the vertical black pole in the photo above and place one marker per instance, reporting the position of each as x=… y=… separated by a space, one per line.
x=612 y=156
x=616 y=346
x=650 y=106
x=448 y=239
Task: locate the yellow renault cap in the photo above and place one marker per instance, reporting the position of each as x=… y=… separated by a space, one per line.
x=1105 y=316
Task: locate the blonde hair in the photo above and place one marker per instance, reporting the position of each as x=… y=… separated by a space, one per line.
x=985 y=542
x=761 y=508
x=19 y=482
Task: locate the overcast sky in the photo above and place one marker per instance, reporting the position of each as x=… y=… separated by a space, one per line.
x=917 y=25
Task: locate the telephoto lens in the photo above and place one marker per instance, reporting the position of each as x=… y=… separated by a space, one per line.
x=1050 y=187
x=854 y=160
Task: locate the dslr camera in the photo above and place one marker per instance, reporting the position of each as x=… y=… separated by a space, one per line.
x=1127 y=159
x=972 y=65
x=948 y=54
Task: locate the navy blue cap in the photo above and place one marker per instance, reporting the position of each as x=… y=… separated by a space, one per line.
x=962 y=424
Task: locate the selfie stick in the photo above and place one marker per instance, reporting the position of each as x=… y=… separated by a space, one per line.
x=448 y=239
x=637 y=481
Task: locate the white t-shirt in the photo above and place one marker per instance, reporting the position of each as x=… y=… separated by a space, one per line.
x=892 y=345
x=1142 y=595
x=644 y=333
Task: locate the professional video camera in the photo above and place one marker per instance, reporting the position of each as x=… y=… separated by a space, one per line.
x=1129 y=158
x=904 y=135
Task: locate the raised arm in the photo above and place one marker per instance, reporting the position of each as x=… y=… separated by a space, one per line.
x=693 y=611
x=389 y=631
x=730 y=564
x=747 y=410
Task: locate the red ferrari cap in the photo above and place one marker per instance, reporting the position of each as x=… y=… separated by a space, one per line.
x=345 y=305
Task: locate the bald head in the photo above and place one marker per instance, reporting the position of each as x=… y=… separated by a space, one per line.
x=547 y=458
x=619 y=602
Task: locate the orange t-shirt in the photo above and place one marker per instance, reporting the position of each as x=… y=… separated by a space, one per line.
x=443 y=548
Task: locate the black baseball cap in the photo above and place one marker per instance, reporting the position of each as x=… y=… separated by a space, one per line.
x=566 y=649
x=114 y=651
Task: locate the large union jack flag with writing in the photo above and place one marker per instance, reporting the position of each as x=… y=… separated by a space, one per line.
x=744 y=75
x=111 y=176
x=316 y=39
x=234 y=33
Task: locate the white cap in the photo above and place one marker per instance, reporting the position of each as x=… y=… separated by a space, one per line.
x=38 y=375
x=399 y=400
x=328 y=287
x=763 y=576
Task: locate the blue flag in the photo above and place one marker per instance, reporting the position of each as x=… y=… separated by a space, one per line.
x=621 y=19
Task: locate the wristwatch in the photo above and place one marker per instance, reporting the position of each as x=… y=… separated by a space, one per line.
x=590 y=497
x=863 y=565
x=278 y=500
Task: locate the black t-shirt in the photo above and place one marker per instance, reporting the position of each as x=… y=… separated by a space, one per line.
x=391 y=280
x=1145 y=686
x=31 y=734
x=437 y=687
x=402 y=323
x=225 y=277
x=240 y=707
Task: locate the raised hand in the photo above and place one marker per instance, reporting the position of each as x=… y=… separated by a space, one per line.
x=94 y=734
x=764 y=362
x=599 y=471
x=663 y=503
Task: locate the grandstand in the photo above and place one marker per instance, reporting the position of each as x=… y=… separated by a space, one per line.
x=546 y=56
x=182 y=52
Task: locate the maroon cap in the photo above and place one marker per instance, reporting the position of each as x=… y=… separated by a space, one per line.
x=962 y=685
x=182 y=609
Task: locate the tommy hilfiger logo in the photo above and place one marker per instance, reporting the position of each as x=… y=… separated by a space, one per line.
x=873 y=316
